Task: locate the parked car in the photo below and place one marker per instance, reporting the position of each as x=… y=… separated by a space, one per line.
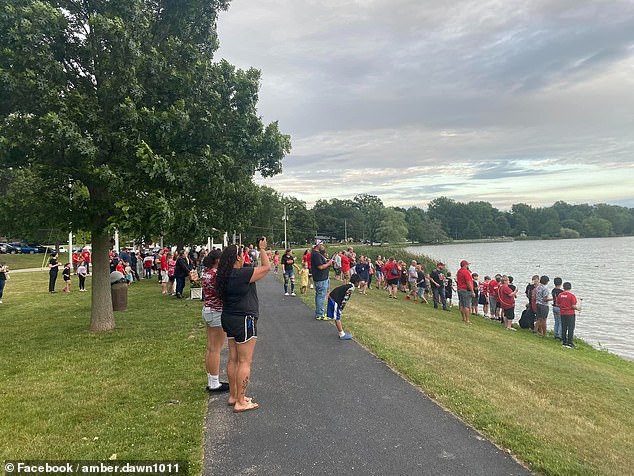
x=22 y=248
x=5 y=248
x=42 y=248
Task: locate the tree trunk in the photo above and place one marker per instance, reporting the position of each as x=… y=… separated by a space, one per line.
x=101 y=314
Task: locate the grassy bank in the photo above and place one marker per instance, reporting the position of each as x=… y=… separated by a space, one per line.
x=137 y=393
x=560 y=411
x=26 y=261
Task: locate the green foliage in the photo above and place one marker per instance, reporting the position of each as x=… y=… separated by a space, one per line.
x=118 y=114
x=392 y=228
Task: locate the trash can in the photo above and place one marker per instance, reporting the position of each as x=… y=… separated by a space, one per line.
x=119 y=288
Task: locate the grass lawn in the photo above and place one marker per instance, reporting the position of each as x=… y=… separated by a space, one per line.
x=27 y=261
x=137 y=392
x=560 y=411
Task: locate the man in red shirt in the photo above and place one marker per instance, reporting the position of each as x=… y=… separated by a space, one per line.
x=464 y=282
x=392 y=273
x=75 y=258
x=506 y=301
x=567 y=303
x=494 y=285
x=345 y=268
x=85 y=256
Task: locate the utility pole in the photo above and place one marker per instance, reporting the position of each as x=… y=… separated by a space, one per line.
x=285 y=218
x=345 y=229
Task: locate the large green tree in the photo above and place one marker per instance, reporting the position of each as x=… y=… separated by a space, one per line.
x=121 y=102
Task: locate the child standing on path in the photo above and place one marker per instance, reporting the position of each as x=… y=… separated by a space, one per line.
x=567 y=303
x=82 y=272
x=66 y=277
x=337 y=299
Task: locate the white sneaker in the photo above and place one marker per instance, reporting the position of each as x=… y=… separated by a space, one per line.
x=311 y=286
x=286 y=294
x=293 y=294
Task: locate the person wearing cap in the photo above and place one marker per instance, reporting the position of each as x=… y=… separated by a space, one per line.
x=437 y=282
x=320 y=265
x=466 y=293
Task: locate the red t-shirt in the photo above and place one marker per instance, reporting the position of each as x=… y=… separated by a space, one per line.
x=483 y=289
x=464 y=279
x=566 y=301
x=493 y=288
x=306 y=259
x=85 y=255
x=75 y=258
x=506 y=300
x=345 y=263
x=247 y=260
x=164 y=262
x=120 y=268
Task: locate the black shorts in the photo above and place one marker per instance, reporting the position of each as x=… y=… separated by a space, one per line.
x=393 y=282
x=241 y=328
x=509 y=314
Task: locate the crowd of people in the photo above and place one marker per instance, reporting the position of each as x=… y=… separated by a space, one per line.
x=493 y=298
x=231 y=307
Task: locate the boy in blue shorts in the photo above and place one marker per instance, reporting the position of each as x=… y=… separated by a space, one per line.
x=337 y=299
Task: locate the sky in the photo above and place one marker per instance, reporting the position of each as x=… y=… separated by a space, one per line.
x=503 y=101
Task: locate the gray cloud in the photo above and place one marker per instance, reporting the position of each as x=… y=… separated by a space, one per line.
x=440 y=94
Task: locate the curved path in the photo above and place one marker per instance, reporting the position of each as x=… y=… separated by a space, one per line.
x=329 y=407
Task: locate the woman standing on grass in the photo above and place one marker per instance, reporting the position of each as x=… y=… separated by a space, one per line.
x=181 y=271
x=4 y=275
x=236 y=286
x=53 y=266
x=212 y=311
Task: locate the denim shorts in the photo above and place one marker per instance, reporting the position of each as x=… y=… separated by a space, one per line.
x=211 y=317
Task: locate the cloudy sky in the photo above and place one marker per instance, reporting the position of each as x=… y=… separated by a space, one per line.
x=505 y=101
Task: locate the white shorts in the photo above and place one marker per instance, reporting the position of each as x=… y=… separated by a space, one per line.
x=165 y=277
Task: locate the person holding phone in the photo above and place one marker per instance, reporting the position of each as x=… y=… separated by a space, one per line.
x=240 y=313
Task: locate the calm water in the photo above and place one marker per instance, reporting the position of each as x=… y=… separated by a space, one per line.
x=598 y=269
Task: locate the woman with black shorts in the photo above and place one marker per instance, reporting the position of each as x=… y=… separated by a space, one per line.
x=240 y=313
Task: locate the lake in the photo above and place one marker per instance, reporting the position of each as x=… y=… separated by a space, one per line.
x=596 y=267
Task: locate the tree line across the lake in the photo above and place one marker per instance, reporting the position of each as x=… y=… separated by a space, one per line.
x=366 y=218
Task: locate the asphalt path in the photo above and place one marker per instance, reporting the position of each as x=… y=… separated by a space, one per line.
x=329 y=407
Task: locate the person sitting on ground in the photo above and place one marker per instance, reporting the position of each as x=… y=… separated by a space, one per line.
x=337 y=299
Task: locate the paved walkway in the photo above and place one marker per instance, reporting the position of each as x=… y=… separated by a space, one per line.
x=329 y=407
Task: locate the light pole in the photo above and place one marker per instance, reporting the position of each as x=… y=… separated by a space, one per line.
x=285 y=218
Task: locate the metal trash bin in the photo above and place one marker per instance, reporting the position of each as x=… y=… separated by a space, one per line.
x=119 y=288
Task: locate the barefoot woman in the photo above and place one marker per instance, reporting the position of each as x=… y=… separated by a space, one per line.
x=239 y=318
